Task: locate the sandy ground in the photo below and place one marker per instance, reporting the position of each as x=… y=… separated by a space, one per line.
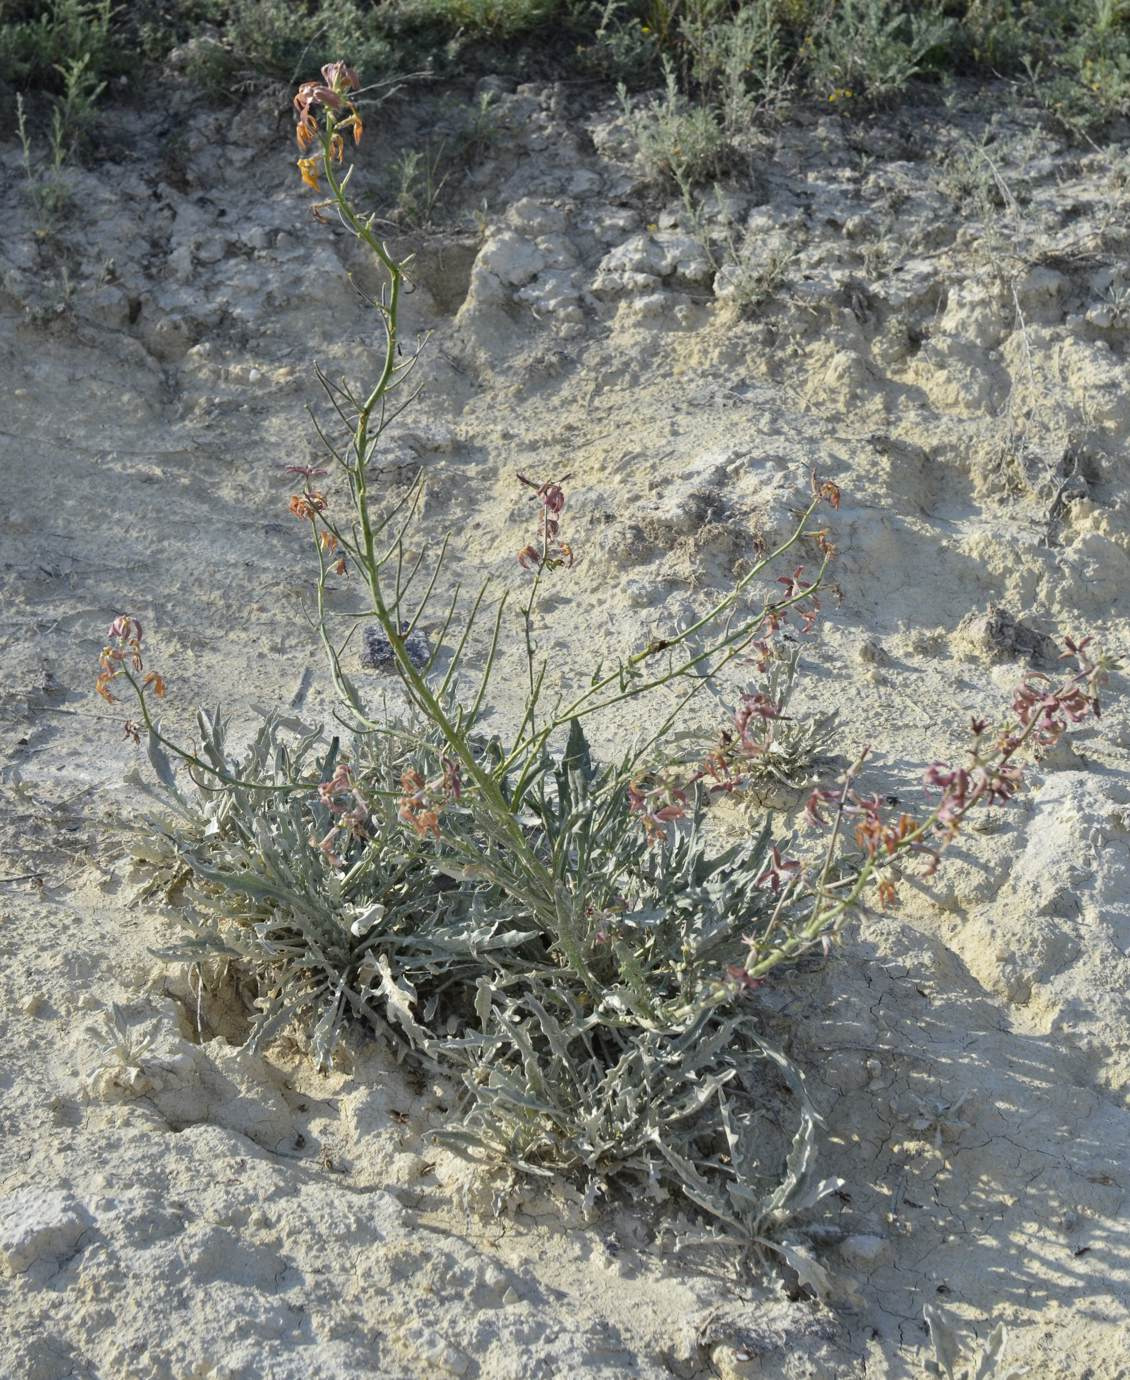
x=942 y=330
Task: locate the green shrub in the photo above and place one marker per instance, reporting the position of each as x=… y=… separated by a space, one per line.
x=739 y=64
x=496 y=19
x=678 y=140
x=872 y=48
x=39 y=42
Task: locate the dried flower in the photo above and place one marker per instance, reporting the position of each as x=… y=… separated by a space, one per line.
x=742 y=977
x=308 y=504
x=657 y=805
x=826 y=490
x=553 y=553
x=819 y=797
x=125 y=629
x=791 y=582
x=123 y=646
x=340 y=77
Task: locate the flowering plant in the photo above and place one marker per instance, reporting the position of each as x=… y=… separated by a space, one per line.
x=565 y=935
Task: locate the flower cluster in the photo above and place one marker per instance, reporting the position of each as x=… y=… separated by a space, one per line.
x=332 y=94
x=811 y=904
x=748 y=740
x=348 y=809
x=804 y=600
x=120 y=656
x=725 y=767
x=553 y=553
x=308 y=504
x=422 y=802
x=1043 y=713
x=1049 y=712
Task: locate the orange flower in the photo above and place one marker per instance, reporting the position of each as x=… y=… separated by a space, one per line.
x=306 y=131
x=102 y=686
x=308 y=167
x=307 y=505
x=157 y=682
x=425 y=822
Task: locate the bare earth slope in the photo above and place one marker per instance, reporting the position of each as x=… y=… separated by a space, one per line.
x=942 y=328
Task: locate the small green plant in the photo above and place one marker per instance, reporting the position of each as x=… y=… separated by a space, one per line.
x=677 y=140
x=1083 y=79
x=419 y=179
x=872 y=48
x=45 y=185
x=73 y=114
x=622 y=46
x=738 y=63
x=570 y=938
x=419 y=175
x=78 y=36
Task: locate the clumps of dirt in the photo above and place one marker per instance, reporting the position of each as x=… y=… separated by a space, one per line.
x=996 y=635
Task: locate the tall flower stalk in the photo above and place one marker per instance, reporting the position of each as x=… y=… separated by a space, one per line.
x=376 y=547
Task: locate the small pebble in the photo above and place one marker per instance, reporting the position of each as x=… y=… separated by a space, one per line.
x=377 y=653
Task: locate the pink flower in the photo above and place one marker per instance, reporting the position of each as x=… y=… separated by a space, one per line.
x=339 y=76
x=815 y=800
x=126 y=629
x=791 y=582
x=780 y=873
x=553 y=496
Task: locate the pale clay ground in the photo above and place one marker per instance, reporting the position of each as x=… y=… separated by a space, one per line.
x=948 y=343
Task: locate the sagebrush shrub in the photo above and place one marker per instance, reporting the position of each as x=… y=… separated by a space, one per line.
x=873 y=47
x=678 y=139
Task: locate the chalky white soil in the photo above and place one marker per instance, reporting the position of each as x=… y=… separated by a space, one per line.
x=944 y=333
